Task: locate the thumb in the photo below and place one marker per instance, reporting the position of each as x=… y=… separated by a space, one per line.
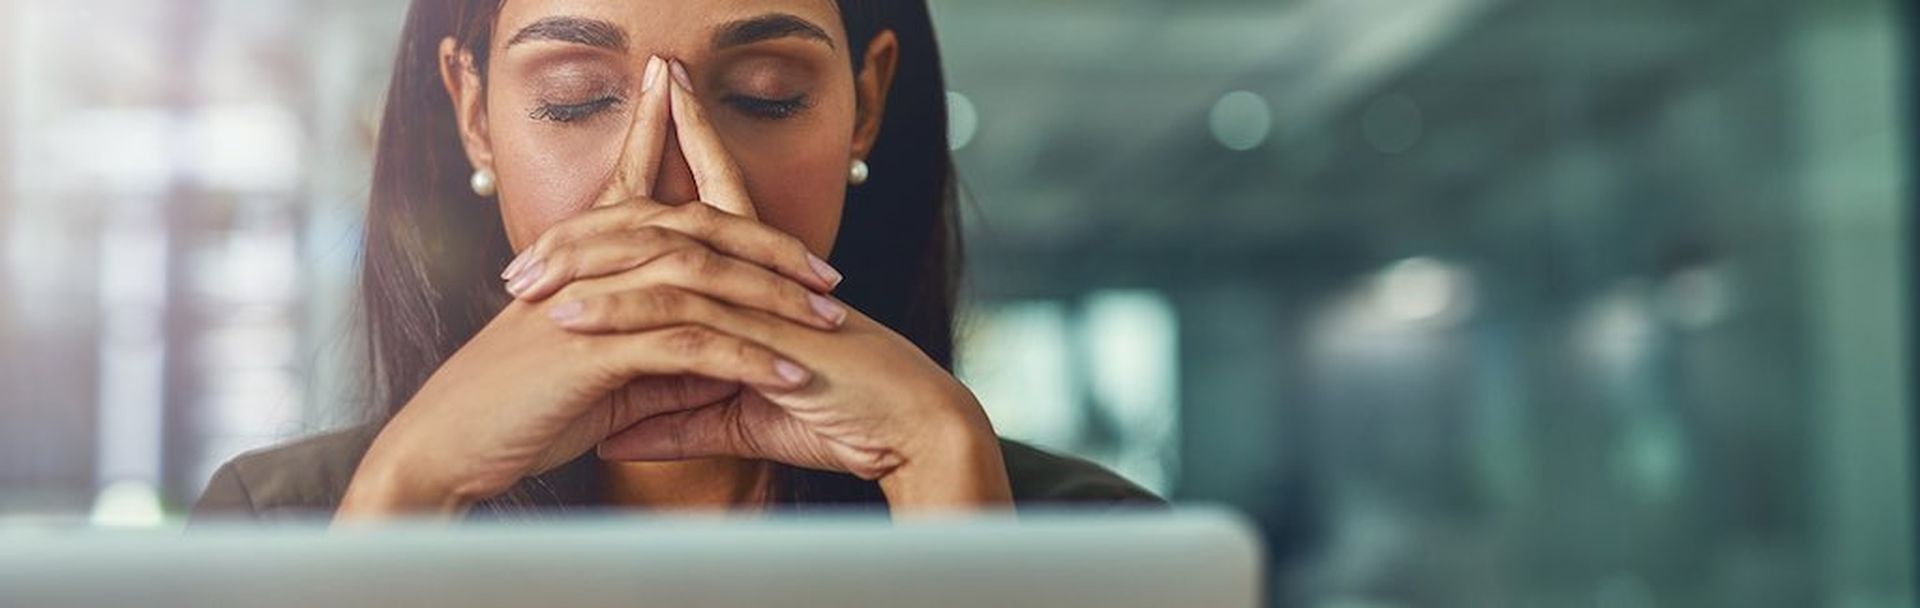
x=654 y=395
x=642 y=149
x=739 y=428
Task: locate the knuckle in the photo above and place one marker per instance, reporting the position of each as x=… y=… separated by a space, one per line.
x=653 y=234
x=698 y=262
x=674 y=240
x=600 y=311
x=795 y=250
x=746 y=353
x=566 y=230
x=785 y=290
x=696 y=308
x=544 y=242
x=687 y=256
x=691 y=340
x=563 y=256
x=632 y=211
x=637 y=214
x=699 y=218
x=660 y=303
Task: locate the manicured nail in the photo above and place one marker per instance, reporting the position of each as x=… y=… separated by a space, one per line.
x=651 y=77
x=826 y=271
x=790 y=372
x=513 y=267
x=527 y=278
x=832 y=312
x=567 y=312
x=680 y=76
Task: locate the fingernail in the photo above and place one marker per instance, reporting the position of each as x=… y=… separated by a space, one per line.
x=527 y=278
x=567 y=312
x=680 y=76
x=513 y=268
x=831 y=311
x=648 y=79
x=788 y=371
x=825 y=270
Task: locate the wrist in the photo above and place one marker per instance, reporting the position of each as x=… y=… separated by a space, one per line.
x=954 y=466
x=383 y=486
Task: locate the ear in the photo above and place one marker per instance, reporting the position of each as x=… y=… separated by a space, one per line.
x=462 y=80
x=871 y=87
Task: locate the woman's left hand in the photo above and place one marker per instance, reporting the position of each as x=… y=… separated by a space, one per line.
x=875 y=406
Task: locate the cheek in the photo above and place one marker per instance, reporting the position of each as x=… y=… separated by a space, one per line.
x=799 y=188
x=546 y=176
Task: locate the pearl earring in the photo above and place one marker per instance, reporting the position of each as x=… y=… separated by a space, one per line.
x=858 y=173
x=484 y=184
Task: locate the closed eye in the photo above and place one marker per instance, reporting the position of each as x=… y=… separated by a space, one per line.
x=572 y=112
x=770 y=109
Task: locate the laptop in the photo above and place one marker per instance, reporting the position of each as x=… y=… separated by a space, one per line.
x=1183 y=558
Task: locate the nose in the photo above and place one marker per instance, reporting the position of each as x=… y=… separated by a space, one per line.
x=650 y=162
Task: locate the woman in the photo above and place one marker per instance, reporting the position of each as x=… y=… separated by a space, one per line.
x=594 y=274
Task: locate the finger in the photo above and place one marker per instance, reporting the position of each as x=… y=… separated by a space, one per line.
x=750 y=240
x=729 y=234
x=597 y=255
x=739 y=429
x=700 y=271
x=639 y=165
x=660 y=394
x=745 y=427
x=714 y=172
x=696 y=350
x=655 y=395
x=654 y=308
x=740 y=284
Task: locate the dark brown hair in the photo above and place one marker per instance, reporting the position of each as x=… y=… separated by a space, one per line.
x=434 y=249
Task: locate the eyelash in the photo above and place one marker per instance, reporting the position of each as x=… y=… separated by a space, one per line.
x=769 y=109
x=573 y=112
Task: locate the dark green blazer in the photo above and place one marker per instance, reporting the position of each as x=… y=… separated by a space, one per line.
x=306 y=479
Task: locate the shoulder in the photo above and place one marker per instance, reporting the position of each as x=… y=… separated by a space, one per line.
x=307 y=477
x=1042 y=477
x=302 y=478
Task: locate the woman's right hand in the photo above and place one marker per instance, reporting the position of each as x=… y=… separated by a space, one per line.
x=524 y=395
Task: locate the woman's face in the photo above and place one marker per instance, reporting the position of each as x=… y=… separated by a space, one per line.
x=564 y=78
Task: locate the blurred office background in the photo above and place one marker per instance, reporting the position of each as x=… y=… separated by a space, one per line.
x=1467 y=302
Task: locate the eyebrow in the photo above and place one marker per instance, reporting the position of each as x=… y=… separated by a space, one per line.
x=576 y=30
x=768 y=27
x=605 y=35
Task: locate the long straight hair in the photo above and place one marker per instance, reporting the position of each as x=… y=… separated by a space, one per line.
x=434 y=248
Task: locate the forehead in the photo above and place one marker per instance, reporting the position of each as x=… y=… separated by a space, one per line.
x=666 y=27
